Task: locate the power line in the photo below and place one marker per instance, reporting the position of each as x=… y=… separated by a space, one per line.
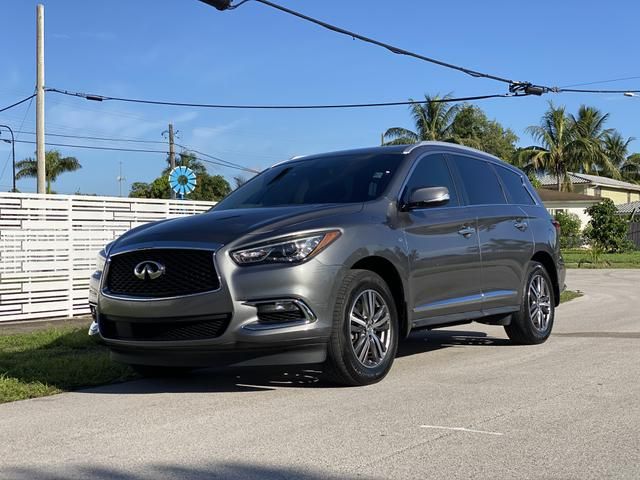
x=139 y=150
x=133 y=140
x=24 y=117
x=575 y=90
x=101 y=98
x=600 y=81
x=95 y=147
x=231 y=164
x=391 y=48
x=105 y=139
x=18 y=103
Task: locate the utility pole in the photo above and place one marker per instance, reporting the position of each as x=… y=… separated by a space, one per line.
x=172 y=158
x=40 y=153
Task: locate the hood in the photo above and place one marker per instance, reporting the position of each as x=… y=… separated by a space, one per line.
x=216 y=228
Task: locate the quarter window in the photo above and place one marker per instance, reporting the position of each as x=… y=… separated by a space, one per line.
x=432 y=171
x=479 y=180
x=515 y=186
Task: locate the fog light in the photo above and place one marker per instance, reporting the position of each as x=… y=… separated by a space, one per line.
x=280 y=311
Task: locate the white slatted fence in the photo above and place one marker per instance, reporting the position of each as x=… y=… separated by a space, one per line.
x=48 y=246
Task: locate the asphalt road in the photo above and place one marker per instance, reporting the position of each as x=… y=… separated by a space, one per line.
x=458 y=404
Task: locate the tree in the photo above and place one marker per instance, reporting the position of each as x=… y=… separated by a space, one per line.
x=208 y=187
x=433 y=121
x=567 y=144
x=569 y=229
x=55 y=165
x=616 y=149
x=591 y=136
x=606 y=228
x=630 y=170
x=472 y=128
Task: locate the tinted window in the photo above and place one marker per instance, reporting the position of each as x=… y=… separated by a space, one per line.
x=513 y=183
x=431 y=171
x=339 y=179
x=479 y=180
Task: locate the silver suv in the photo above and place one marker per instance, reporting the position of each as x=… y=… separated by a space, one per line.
x=332 y=259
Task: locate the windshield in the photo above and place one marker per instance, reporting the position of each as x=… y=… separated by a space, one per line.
x=341 y=179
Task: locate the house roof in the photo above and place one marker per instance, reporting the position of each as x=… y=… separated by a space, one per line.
x=582 y=178
x=629 y=208
x=548 y=195
x=548 y=180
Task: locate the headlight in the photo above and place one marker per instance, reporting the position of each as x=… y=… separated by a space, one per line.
x=101 y=259
x=286 y=251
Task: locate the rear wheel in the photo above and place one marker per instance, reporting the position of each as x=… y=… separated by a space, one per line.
x=155 y=371
x=364 y=339
x=533 y=323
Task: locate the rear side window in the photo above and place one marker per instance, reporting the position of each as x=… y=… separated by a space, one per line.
x=432 y=171
x=479 y=180
x=515 y=187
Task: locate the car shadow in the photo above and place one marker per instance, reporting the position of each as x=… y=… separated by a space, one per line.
x=423 y=341
x=224 y=380
x=226 y=470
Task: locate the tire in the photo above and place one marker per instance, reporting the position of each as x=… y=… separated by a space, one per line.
x=155 y=371
x=349 y=336
x=532 y=325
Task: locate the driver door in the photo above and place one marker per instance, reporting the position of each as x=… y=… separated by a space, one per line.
x=444 y=252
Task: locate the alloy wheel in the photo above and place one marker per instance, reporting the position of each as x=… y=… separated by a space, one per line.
x=539 y=302
x=370 y=327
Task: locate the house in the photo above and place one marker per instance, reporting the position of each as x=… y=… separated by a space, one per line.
x=568 y=202
x=617 y=190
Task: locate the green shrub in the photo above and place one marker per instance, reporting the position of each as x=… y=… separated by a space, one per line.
x=606 y=228
x=570 y=224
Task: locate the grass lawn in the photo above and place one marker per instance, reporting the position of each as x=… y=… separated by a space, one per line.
x=52 y=361
x=615 y=260
x=569 y=295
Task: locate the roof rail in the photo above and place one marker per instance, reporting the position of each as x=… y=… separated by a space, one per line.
x=434 y=143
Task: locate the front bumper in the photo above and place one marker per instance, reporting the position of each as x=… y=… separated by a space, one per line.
x=241 y=290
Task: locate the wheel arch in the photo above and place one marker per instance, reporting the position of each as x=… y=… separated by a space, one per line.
x=391 y=276
x=547 y=262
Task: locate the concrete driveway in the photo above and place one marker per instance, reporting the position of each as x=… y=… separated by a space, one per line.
x=458 y=404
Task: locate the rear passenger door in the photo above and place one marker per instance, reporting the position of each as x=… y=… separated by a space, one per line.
x=443 y=249
x=506 y=241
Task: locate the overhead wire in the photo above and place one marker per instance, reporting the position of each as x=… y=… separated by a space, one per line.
x=219 y=162
x=101 y=98
x=26 y=99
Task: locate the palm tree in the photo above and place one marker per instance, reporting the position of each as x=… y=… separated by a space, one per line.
x=590 y=131
x=433 y=121
x=569 y=143
x=616 y=149
x=55 y=165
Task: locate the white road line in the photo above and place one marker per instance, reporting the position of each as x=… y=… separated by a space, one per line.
x=461 y=429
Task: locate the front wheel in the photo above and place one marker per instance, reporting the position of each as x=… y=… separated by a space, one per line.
x=533 y=323
x=364 y=339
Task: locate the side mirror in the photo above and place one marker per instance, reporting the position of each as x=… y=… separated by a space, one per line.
x=427 y=197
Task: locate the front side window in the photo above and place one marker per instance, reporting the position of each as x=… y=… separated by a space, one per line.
x=431 y=171
x=351 y=178
x=479 y=180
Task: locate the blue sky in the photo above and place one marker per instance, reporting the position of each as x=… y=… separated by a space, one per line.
x=183 y=50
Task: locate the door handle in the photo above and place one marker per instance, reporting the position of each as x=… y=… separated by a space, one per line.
x=520 y=225
x=466 y=231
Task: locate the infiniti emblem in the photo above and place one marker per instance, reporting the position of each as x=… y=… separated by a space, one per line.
x=149 y=270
